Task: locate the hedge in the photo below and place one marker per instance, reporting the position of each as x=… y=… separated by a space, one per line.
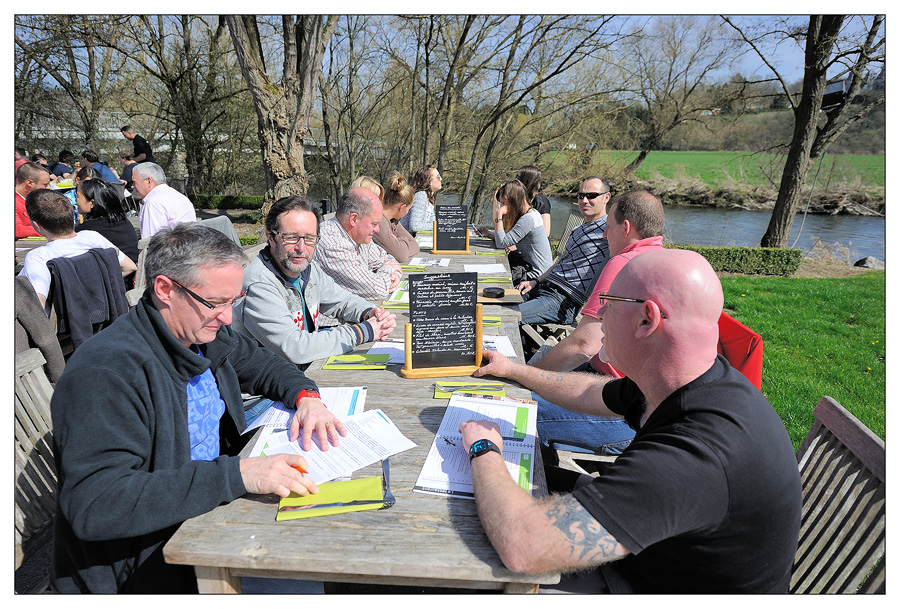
x=748 y=260
x=227 y=201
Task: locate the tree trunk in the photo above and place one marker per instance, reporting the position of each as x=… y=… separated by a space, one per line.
x=819 y=42
x=282 y=108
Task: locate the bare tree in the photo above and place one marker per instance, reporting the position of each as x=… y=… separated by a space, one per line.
x=283 y=106
x=667 y=65
x=69 y=50
x=188 y=55
x=852 y=53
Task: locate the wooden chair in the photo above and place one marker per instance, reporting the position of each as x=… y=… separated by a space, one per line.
x=140 y=278
x=35 y=489
x=575 y=219
x=842 y=539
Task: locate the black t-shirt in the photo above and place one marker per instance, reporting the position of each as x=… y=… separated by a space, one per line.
x=142 y=146
x=541 y=203
x=707 y=496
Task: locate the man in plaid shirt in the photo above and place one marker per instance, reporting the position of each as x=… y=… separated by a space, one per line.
x=345 y=250
x=558 y=294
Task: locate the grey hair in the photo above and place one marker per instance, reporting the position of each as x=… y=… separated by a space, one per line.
x=181 y=251
x=150 y=170
x=351 y=202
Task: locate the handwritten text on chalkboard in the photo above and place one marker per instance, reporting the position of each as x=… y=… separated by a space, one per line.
x=442 y=312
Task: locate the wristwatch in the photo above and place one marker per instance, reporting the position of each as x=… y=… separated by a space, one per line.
x=480 y=447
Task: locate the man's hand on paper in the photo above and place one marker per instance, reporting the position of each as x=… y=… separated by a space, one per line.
x=277 y=474
x=312 y=416
x=480 y=429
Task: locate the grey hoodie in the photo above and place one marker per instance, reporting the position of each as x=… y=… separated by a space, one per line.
x=273 y=312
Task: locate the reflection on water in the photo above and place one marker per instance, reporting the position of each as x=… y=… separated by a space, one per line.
x=862 y=235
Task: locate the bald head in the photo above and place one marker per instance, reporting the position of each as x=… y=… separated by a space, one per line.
x=359 y=211
x=675 y=332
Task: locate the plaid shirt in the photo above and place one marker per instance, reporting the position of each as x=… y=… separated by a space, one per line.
x=358 y=268
x=586 y=254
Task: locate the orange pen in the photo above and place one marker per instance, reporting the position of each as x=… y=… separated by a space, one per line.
x=300 y=469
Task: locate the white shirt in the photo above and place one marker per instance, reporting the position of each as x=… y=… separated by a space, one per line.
x=35 y=265
x=164 y=207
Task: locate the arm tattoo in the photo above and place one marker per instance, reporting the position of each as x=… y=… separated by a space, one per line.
x=589 y=543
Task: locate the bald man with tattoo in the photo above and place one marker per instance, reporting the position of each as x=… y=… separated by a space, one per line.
x=705 y=499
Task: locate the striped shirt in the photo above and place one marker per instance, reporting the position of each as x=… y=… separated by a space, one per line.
x=359 y=268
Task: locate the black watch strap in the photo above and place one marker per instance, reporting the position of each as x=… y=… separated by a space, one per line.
x=480 y=447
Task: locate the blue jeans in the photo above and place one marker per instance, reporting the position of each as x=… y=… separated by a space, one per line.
x=563 y=429
x=548 y=306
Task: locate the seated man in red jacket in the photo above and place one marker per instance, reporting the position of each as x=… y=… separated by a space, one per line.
x=29 y=176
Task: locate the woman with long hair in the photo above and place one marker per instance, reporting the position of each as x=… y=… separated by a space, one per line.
x=398 y=199
x=426 y=182
x=517 y=224
x=102 y=210
x=530 y=177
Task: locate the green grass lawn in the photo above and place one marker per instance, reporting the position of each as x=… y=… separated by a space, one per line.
x=820 y=337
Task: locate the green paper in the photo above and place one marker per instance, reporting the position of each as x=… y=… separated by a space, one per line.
x=354 y=361
x=361 y=494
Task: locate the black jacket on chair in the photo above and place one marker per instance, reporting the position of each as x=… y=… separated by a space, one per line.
x=85 y=290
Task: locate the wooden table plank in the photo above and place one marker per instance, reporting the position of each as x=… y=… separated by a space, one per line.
x=423 y=540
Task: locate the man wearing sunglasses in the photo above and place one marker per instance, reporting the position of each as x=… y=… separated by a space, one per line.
x=147 y=418
x=558 y=294
x=286 y=291
x=705 y=499
x=634 y=226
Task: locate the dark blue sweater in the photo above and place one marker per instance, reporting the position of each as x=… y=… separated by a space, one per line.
x=122 y=449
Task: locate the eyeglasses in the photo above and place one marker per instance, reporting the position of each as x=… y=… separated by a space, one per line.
x=590 y=195
x=291 y=238
x=605 y=297
x=218 y=308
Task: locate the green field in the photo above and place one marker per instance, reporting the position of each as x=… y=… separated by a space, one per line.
x=719 y=168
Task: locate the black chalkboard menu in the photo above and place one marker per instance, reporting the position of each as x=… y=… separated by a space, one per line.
x=442 y=309
x=451 y=228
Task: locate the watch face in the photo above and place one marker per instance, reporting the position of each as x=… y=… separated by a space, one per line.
x=478 y=445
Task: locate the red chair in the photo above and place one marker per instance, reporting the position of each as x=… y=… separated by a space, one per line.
x=742 y=347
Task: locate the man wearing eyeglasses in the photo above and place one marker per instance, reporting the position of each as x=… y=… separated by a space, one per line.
x=558 y=294
x=147 y=419
x=162 y=206
x=705 y=499
x=634 y=226
x=286 y=291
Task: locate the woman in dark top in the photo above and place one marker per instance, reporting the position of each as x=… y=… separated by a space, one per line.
x=102 y=210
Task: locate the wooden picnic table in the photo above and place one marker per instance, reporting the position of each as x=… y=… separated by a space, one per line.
x=423 y=540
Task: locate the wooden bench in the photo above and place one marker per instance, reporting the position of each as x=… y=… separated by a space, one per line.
x=842 y=541
x=35 y=490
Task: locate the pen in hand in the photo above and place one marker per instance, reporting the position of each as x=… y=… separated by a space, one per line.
x=300 y=469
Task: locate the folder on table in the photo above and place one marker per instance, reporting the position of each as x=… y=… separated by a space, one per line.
x=357 y=361
x=334 y=498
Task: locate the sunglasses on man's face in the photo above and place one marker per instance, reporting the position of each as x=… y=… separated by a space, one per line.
x=590 y=195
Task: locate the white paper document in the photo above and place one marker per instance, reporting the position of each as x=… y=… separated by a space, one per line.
x=426 y=242
x=446 y=469
x=371 y=436
x=394 y=347
x=419 y=261
x=501 y=343
x=341 y=401
x=485 y=269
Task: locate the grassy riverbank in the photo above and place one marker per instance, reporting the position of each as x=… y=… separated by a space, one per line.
x=820 y=337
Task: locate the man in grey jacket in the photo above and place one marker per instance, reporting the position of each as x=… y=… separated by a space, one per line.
x=286 y=292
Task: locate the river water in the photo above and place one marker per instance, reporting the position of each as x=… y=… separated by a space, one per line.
x=860 y=235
